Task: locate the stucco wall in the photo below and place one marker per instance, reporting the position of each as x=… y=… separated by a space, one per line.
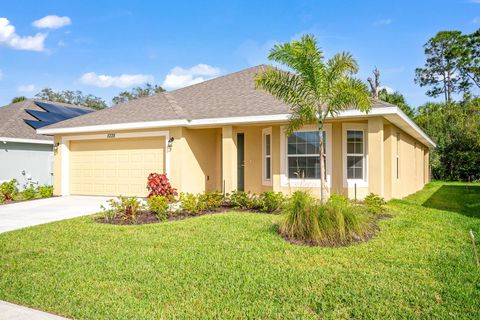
x=203 y=159
x=34 y=159
x=413 y=166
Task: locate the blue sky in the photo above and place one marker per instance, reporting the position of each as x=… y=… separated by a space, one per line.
x=104 y=47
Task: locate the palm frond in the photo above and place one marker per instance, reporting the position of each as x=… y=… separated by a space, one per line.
x=283 y=85
x=349 y=93
x=303 y=56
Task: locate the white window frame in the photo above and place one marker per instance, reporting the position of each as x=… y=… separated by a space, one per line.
x=265 y=181
x=285 y=181
x=350 y=183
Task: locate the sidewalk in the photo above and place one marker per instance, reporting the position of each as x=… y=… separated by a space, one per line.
x=10 y=311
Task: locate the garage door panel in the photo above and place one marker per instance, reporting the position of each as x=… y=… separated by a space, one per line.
x=115 y=167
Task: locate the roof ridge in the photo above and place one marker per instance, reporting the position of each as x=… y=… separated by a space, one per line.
x=217 y=78
x=175 y=106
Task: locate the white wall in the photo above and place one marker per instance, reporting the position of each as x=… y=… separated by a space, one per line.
x=35 y=159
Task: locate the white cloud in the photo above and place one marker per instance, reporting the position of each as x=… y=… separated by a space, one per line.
x=26 y=88
x=476 y=20
x=390 y=90
x=121 y=81
x=9 y=37
x=474 y=1
x=52 y=22
x=383 y=22
x=180 y=77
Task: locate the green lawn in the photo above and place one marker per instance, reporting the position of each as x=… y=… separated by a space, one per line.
x=235 y=265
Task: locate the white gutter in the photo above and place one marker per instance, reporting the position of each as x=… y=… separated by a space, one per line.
x=382 y=111
x=18 y=140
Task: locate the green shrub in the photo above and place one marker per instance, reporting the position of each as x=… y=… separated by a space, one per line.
x=300 y=220
x=270 y=201
x=189 y=203
x=338 y=200
x=29 y=193
x=374 y=203
x=158 y=205
x=210 y=200
x=108 y=214
x=243 y=200
x=45 y=191
x=127 y=208
x=336 y=222
x=8 y=190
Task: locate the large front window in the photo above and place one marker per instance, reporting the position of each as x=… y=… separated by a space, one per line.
x=303 y=154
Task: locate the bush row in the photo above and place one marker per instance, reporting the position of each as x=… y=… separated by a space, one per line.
x=9 y=192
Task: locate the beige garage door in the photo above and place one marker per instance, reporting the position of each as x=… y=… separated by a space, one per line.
x=114 y=167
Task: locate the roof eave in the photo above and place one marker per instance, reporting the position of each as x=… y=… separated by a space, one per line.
x=391 y=113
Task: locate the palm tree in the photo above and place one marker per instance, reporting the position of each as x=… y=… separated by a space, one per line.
x=314 y=89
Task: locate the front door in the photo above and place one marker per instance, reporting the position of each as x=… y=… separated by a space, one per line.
x=240 y=162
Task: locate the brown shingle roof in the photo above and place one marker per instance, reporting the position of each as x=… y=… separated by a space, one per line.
x=12 y=116
x=231 y=95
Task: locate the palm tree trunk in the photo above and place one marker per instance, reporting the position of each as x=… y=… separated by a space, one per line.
x=322 y=163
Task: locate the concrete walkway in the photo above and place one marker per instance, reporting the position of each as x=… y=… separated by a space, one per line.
x=31 y=213
x=10 y=311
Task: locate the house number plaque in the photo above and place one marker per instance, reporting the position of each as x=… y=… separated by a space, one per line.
x=111 y=135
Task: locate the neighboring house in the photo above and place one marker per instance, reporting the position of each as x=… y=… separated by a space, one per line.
x=223 y=134
x=24 y=154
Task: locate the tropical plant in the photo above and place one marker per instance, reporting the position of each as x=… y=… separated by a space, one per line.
x=29 y=192
x=159 y=185
x=189 y=203
x=211 y=200
x=158 y=205
x=127 y=208
x=314 y=89
x=270 y=201
x=374 y=203
x=45 y=191
x=8 y=190
x=243 y=200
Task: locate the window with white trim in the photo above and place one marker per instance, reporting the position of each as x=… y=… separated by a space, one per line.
x=355 y=154
x=303 y=159
x=267 y=174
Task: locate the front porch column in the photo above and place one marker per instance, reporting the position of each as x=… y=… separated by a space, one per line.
x=376 y=164
x=229 y=159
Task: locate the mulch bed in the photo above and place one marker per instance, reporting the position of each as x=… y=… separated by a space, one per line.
x=147 y=217
x=23 y=200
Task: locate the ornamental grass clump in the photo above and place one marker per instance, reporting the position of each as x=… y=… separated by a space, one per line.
x=335 y=223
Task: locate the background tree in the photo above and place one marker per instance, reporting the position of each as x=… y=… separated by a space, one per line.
x=138 y=92
x=455 y=127
x=18 y=99
x=375 y=86
x=72 y=97
x=441 y=71
x=470 y=58
x=397 y=99
x=315 y=89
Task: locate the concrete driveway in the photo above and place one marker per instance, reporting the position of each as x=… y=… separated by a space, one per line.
x=31 y=213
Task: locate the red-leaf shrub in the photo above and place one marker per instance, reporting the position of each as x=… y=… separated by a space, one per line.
x=158 y=185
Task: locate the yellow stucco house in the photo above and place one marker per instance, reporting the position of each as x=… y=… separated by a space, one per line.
x=225 y=135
